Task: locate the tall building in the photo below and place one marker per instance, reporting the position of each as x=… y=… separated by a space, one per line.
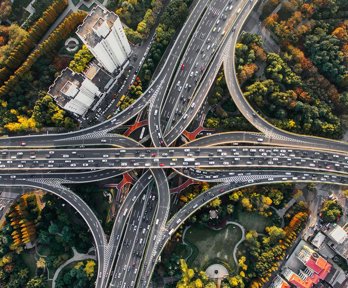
x=103 y=34
x=74 y=92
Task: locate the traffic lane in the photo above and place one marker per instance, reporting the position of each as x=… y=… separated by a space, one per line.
x=134 y=226
x=158 y=99
x=208 y=80
x=119 y=224
x=194 y=56
x=215 y=161
x=141 y=241
x=162 y=215
x=165 y=152
x=66 y=177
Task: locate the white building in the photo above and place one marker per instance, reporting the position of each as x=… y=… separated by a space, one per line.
x=74 y=92
x=103 y=34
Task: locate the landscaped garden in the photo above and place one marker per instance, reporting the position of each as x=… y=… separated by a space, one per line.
x=212 y=245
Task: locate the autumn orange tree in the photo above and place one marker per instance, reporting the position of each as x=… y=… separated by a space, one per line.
x=22 y=217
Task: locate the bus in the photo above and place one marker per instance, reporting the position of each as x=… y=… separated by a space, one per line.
x=142 y=133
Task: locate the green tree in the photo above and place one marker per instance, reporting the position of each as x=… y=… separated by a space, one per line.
x=36 y=282
x=331 y=211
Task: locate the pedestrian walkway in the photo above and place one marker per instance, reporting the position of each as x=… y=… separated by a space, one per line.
x=77 y=257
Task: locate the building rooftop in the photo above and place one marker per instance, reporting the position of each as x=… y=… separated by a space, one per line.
x=97 y=25
x=65 y=86
x=98 y=76
x=338 y=234
x=318 y=240
x=279 y=282
x=305 y=267
x=296 y=280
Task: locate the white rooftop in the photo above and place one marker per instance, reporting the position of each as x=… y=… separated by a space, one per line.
x=318 y=239
x=338 y=234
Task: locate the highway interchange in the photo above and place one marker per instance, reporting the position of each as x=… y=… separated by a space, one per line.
x=127 y=257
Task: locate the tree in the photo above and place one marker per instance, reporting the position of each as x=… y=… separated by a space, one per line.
x=36 y=282
x=215 y=203
x=90 y=268
x=213 y=122
x=41 y=263
x=275 y=233
x=81 y=59
x=331 y=211
x=5 y=9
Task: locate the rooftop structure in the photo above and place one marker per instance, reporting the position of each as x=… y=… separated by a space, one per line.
x=316 y=264
x=318 y=239
x=339 y=240
x=279 y=282
x=338 y=234
x=73 y=91
x=306 y=268
x=104 y=36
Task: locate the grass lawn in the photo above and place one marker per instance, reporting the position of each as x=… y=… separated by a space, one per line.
x=213 y=245
x=30 y=262
x=252 y=220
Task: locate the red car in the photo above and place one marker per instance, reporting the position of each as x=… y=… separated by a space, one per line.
x=182 y=67
x=161 y=164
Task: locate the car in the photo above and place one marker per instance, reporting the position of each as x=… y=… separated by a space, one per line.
x=23 y=143
x=103 y=140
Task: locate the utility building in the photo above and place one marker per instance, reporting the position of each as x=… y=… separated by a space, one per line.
x=103 y=34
